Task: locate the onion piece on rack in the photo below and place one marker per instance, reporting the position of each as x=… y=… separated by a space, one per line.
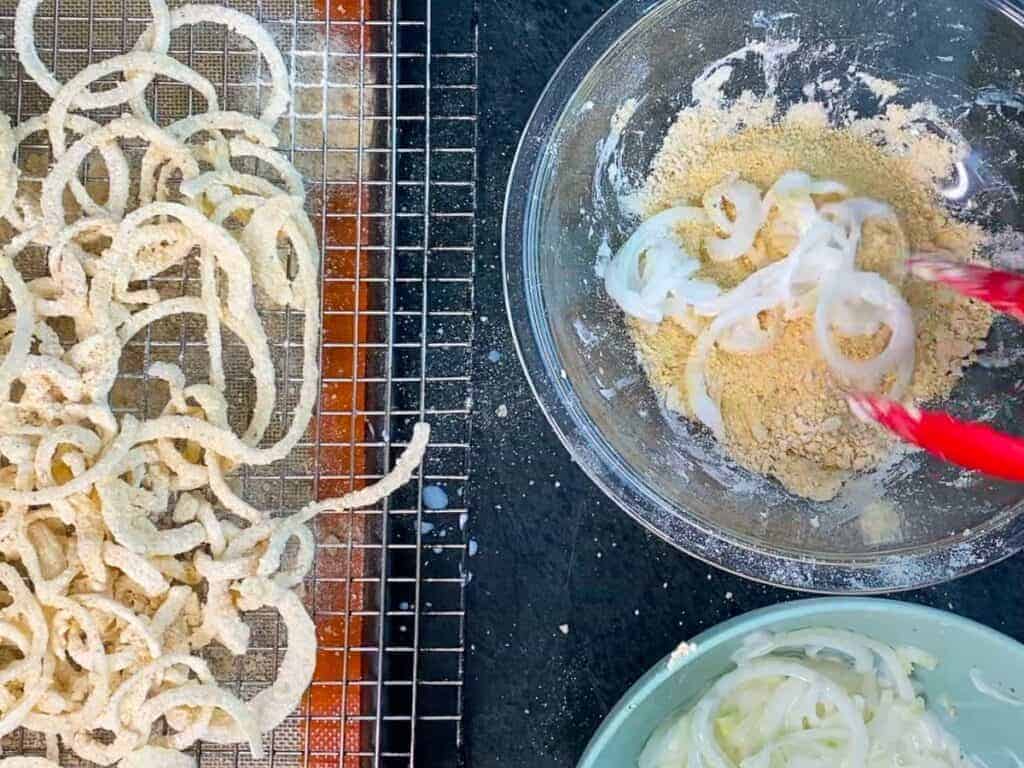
x=25 y=44
x=241 y=24
x=8 y=167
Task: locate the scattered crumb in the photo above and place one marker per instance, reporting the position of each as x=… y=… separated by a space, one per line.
x=681 y=651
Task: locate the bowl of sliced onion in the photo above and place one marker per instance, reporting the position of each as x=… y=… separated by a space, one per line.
x=712 y=245
x=834 y=681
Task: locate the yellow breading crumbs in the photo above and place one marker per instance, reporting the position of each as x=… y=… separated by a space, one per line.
x=784 y=412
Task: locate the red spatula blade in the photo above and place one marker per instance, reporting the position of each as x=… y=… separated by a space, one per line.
x=1004 y=291
x=968 y=444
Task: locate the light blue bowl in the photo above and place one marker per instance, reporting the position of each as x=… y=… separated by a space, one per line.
x=987 y=728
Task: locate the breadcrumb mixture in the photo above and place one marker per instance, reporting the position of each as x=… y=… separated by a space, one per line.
x=785 y=414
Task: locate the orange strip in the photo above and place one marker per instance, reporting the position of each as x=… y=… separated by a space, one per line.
x=343 y=399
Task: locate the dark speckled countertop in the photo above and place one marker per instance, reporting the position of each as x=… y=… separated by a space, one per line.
x=570 y=600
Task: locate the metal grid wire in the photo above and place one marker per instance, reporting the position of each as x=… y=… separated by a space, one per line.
x=383 y=128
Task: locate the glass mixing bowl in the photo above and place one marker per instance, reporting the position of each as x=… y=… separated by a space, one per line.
x=911 y=523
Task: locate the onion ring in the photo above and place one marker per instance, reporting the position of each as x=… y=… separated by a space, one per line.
x=24 y=43
x=243 y=25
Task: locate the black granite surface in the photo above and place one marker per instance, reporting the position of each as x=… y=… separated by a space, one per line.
x=570 y=601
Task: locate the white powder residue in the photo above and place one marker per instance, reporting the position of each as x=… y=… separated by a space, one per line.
x=964 y=479
x=707 y=87
x=607 y=149
x=867 y=488
x=880 y=523
x=808 y=113
x=586 y=336
x=622 y=116
x=1000 y=98
x=774 y=54
x=1006 y=250
x=604 y=255
x=985 y=688
x=620 y=384
x=884 y=90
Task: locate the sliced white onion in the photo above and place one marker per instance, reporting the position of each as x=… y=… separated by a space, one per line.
x=791 y=195
x=748 y=337
x=805 y=699
x=851 y=215
x=745 y=199
x=862 y=300
x=820 y=689
x=703 y=406
x=651 y=268
x=650 y=278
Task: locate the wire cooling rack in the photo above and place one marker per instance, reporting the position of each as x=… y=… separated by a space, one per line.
x=383 y=127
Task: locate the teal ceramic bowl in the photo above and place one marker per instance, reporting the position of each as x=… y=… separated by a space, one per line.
x=989 y=725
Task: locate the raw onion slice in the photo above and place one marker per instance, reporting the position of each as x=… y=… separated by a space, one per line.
x=859 y=300
x=651 y=268
x=813 y=697
x=820 y=691
x=861 y=650
x=702 y=405
x=750 y=336
x=742 y=228
x=790 y=197
x=851 y=215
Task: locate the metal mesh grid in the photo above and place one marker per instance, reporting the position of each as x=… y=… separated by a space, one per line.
x=383 y=128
